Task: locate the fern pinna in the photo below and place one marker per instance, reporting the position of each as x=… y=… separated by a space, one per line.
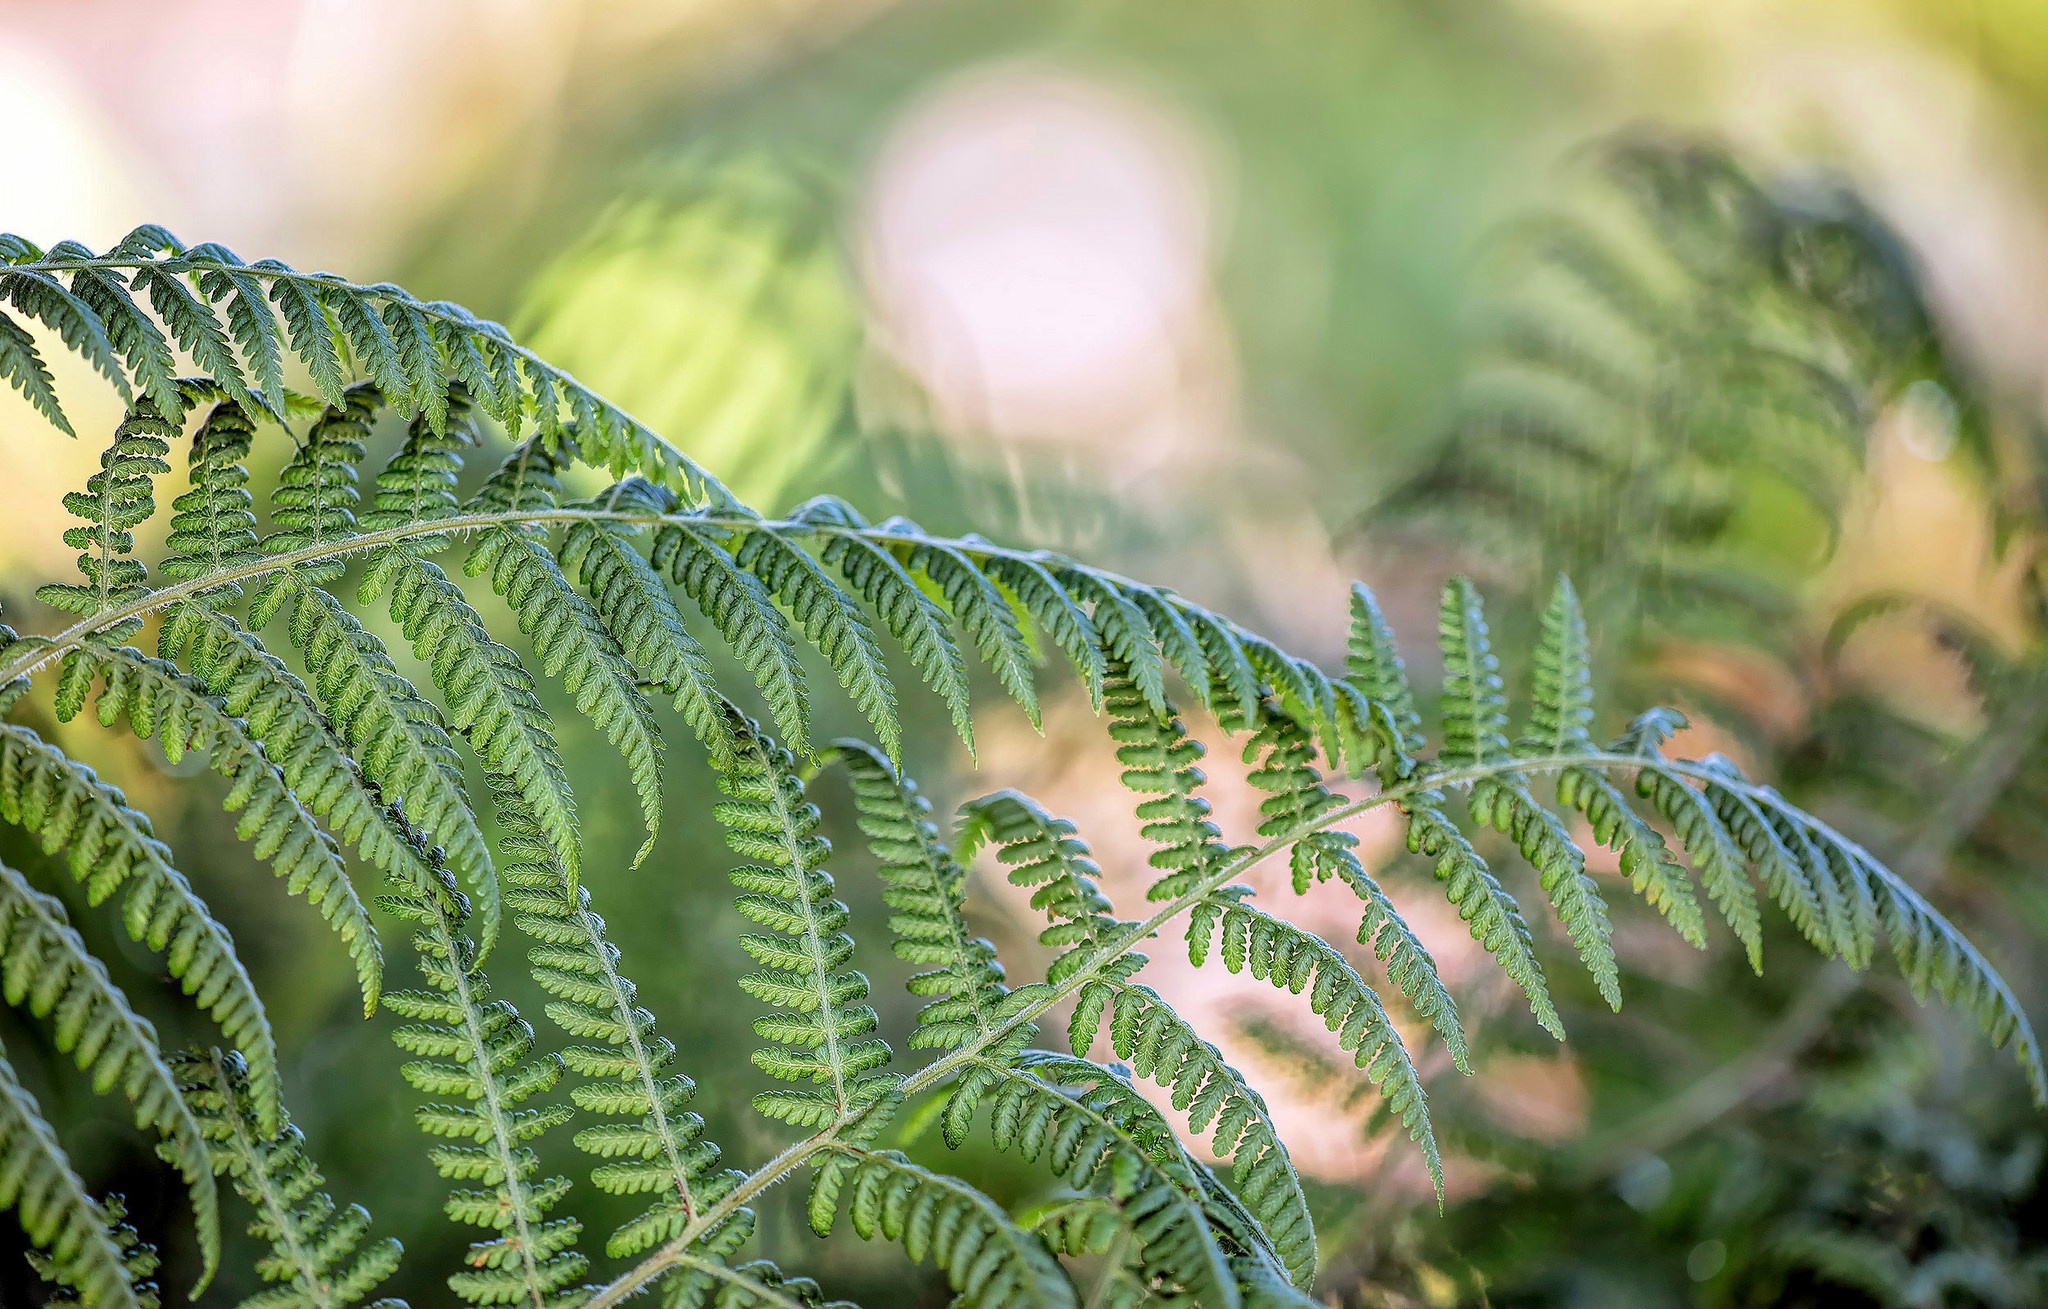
x=340 y=766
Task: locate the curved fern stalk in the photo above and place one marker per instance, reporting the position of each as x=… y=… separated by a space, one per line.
x=411 y=349
x=56 y=1211
x=1475 y=732
x=1281 y=953
x=821 y=1024
x=653 y=1144
x=1384 y=728
x=490 y=696
x=109 y=846
x=1160 y=1044
x=161 y=702
x=990 y=1261
x=757 y=1284
x=569 y=636
x=396 y=737
x=1560 y=711
x=318 y=1259
x=138 y=1257
x=634 y=605
x=479 y=1049
x=46 y=967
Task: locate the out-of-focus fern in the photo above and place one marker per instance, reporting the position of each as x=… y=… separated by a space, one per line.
x=604 y=588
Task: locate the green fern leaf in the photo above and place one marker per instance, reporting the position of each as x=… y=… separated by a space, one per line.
x=161 y=702
x=635 y=607
x=23 y=367
x=911 y=616
x=46 y=967
x=1158 y=759
x=988 y=1260
x=927 y=890
x=981 y=609
x=834 y=623
x=1475 y=732
x=1125 y=636
x=1280 y=953
x=137 y=1255
x=1057 y=614
x=821 y=1025
x=478 y=1050
x=116 y=499
x=110 y=846
x=60 y=1217
x=318 y=1259
x=738 y=606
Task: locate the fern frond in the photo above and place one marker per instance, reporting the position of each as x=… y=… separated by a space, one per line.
x=213 y=525
x=927 y=890
x=116 y=499
x=1475 y=732
x=655 y=1145
x=571 y=642
x=1043 y=852
x=163 y=703
x=138 y=1256
x=981 y=609
x=1158 y=759
x=1389 y=731
x=835 y=624
x=821 y=1023
x=1123 y=634
x=396 y=736
x=46 y=967
x=1056 y=613
x=23 y=367
x=59 y=1215
x=410 y=349
x=1297 y=799
x=635 y=606
x=1101 y=1137
x=318 y=1258
x=276 y=710
x=110 y=846
x=913 y=617
x=1281 y=953
x=478 y=1049
x=738 y=606
x=1162 y=1047
x=988 y=1260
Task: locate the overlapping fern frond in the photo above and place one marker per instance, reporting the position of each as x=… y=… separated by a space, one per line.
x=327 y=745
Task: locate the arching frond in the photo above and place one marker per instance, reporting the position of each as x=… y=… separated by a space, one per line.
x=138 y=1256
x=821 y=1024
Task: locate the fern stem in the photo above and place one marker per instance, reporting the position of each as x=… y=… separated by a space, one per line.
x=43 y=649
x=1049 y=995
x=753 y=1291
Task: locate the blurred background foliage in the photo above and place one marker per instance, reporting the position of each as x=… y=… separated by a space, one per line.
x=1737 y=312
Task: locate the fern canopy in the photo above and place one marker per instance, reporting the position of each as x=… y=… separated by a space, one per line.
x=338 y=765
